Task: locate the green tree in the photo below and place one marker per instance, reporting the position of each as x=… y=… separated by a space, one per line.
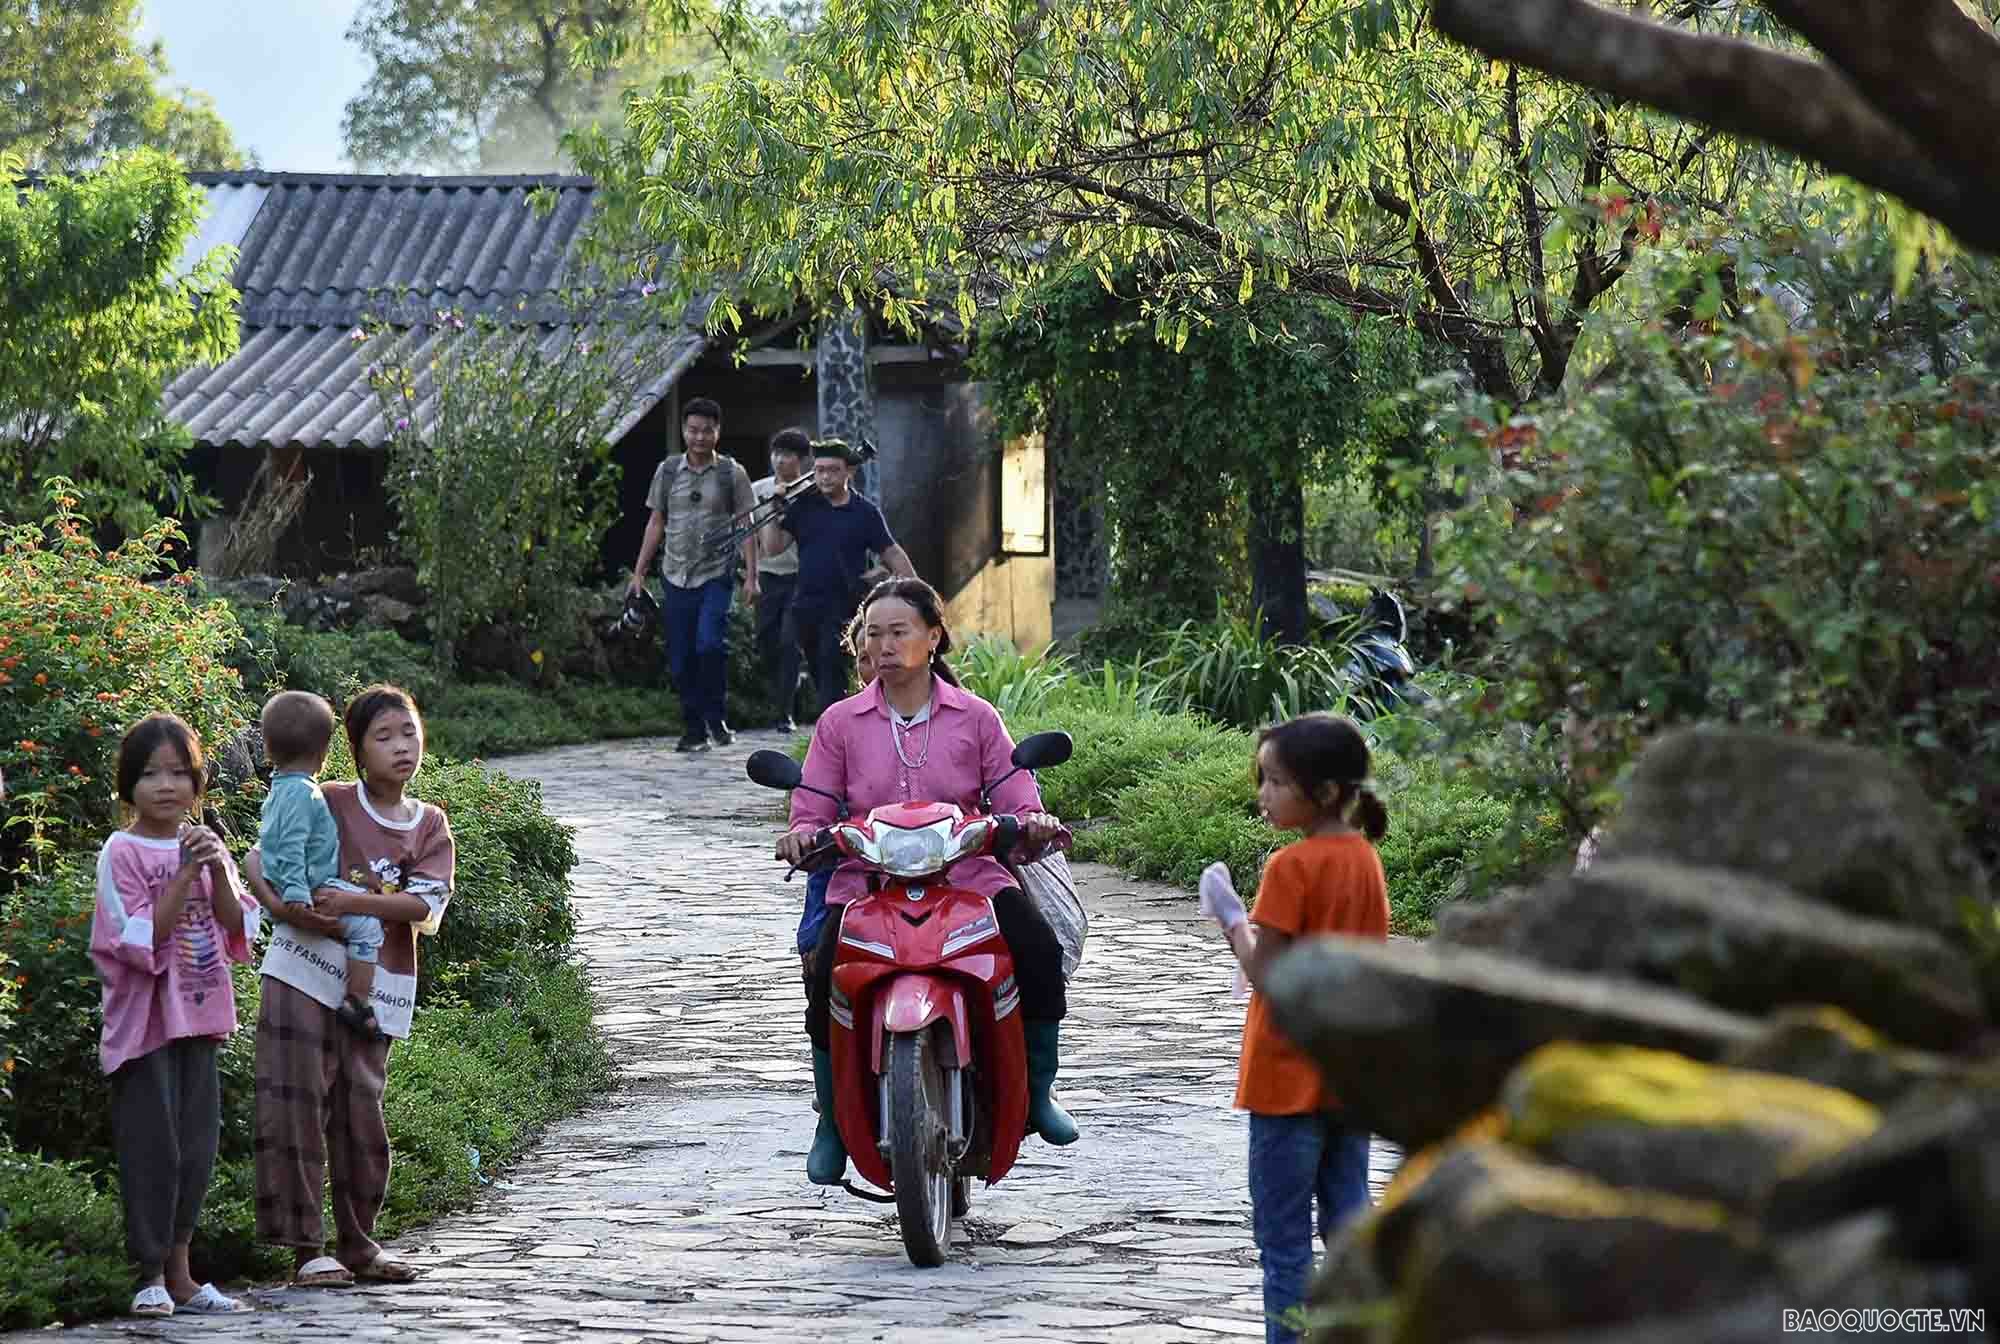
x=496 y=86
x=1336 y=149
x=76 y=86
x=98 y=320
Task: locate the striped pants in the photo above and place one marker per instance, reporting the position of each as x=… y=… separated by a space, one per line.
x=319 y=1108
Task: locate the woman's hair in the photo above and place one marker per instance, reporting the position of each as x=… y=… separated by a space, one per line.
x=370 y=704
x=147 y=736
x=1327 y=758
x=930 y=607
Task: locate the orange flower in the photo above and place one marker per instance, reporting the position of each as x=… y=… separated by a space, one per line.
x=4 y=678
x=7 y=1066
x=29 y=744
x=75 y=769
x=41 y=678
x=107 y=695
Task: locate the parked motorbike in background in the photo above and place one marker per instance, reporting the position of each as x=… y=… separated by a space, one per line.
x=1381 y=675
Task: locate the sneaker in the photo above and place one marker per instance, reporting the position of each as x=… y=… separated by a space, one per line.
x=719 y=730
x=785 y=726
x=694 y=740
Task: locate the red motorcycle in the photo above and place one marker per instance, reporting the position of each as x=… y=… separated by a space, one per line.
x=930 y=1071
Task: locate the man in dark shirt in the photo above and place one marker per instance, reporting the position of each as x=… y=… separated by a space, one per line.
x=834 y=528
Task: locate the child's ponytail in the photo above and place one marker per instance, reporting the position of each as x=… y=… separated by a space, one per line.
x=1370 y=814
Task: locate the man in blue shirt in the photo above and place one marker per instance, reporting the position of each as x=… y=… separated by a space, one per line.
x=834 y=528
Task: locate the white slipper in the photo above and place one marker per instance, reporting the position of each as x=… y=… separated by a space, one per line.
x=207 y=1301
x=153 y=1300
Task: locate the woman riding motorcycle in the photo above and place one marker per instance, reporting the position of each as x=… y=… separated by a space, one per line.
x=915 y=735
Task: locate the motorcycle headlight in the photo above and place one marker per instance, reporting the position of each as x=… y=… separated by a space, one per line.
x=913 y=853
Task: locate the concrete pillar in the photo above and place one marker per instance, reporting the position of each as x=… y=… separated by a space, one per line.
x=846 y=389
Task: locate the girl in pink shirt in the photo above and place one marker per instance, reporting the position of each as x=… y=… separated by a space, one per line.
x=171 y=915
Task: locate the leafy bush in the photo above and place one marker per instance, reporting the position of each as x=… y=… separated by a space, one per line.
x=87 y=646
x=62 y=1238
x=511 y=905
x=504 y=494
x=460 y=1100
x=273 y=655
x=1753 y=523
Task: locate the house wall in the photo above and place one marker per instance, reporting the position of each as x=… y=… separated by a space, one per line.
x=1012 y=597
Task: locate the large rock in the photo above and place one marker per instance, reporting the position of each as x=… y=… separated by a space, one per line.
x=1912 y=1168
x=1834 y=823
x=1650 y=1119
x=1416 y=1040
x=1826 y=1046
x=1740 y=942
x=1496 y=1244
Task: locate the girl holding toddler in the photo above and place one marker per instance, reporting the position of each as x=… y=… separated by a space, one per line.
x=319 y=1084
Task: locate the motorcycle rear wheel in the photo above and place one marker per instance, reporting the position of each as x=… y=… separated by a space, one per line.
x=919 y=1166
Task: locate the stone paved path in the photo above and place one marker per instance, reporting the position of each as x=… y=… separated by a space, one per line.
x=677 y=1210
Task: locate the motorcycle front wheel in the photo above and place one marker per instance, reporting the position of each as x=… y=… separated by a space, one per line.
x=919 y=1166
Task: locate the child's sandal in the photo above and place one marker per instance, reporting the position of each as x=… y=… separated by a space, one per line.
x=358 y=1018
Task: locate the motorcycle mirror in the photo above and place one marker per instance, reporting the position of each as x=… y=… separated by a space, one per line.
x=1040 y=751
x=773 y=769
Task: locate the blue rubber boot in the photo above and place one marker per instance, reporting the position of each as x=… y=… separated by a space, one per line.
x=827 y=1162
x=1046 y=1118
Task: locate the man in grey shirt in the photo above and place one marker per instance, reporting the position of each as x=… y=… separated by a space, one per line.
x=693 y=494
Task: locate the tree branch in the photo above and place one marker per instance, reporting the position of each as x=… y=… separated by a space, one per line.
x=1796 y=104
x=1924 y=63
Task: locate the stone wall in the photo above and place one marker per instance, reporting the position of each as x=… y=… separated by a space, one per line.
x=1744 y=1063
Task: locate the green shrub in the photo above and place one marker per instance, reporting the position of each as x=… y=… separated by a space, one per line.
x=62 y=1243
x=511 y=903
x=501 y=475
x=275 y=656
x=1757 y=524
x=493 y=719
x=87 y=646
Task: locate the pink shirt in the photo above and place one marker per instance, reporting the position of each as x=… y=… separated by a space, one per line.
x=962 y=747
x=180 y=988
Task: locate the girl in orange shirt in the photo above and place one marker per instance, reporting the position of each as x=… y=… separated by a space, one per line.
x=1311 y=775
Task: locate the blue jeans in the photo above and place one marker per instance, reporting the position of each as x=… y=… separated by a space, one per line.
x=694 y=627
x=815 y=911
x=1293 y=1160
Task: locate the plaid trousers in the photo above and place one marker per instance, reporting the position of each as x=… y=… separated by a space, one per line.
x=319 y=1106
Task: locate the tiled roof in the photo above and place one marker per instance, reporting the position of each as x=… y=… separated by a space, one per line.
x=319 y=253
x=310 y=385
